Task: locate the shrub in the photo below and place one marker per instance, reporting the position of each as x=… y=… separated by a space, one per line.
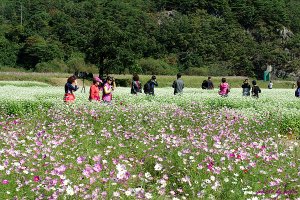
x=202 y=71
x=123 y=82
x=52 y=66
x=77 y=63
x=156 y=66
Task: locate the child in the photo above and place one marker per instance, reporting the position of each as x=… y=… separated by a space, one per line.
x=246 y=88
x=94 y=90
x=70 y=86
x=108 y=88
x=255 y=89
x=224 y=88
x=136 y=86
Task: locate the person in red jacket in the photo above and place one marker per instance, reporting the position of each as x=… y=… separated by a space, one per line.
x=94 y=90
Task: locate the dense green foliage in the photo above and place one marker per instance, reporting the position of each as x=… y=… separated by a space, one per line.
x=215 y=37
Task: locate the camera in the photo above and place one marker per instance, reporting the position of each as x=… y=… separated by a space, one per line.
x=83 y=75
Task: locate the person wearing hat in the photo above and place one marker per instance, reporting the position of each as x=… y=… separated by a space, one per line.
x=70 y=87
x=94 y=90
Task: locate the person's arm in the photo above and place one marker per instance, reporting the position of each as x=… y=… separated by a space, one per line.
x=113 y=85
x=173 y=85
x=73 y=87
x=155 y=83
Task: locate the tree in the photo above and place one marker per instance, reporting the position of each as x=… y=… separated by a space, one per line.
x=37 y=50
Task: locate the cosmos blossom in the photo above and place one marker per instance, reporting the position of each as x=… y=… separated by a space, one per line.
x=184 y=147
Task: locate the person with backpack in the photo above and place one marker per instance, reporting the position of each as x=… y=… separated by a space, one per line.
x=178 y=85
x=255 y=89
x=149 y=86
x=94 y=90
x=224 y=88
x=70 y=87
x=136 y=86
x=297 y=92
x=246 y=88
x=204 y=85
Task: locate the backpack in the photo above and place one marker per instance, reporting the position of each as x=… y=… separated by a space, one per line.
x=297 y=92
x=147 y=87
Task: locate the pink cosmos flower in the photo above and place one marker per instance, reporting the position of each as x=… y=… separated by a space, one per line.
x=98 y=167
x=5 y=182
x=80 y=159
x=36 y=178
x=97 y=158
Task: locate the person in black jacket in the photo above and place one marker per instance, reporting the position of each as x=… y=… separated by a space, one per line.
x=246 y=88
x=255 y=89
x=210 y=85
x=149 y=86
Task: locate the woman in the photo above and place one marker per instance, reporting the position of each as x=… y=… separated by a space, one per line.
x=70 y=87
x=94 y=90
x=224 y=88
x=136 y=86
x=108 y=88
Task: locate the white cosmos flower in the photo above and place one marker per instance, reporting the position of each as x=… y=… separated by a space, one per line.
x=148 y=175
x=158 y=167
x=148 y=195
x=70 y=191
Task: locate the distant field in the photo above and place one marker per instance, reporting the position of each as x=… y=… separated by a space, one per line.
x=58 y=79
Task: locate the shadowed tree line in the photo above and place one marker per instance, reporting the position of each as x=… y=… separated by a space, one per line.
x=198 y=37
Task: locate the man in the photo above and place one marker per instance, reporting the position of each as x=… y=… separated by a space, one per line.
x=149 y=86
x=178 y=85
x=210 y=85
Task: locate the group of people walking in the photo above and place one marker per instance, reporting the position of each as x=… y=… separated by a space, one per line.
x=107 y=87
x=178 y=85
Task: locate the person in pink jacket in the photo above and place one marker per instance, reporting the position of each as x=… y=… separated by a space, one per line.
x=108 y=88
x=224 y=88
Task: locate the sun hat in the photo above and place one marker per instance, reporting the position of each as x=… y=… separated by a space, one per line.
x=97 y=79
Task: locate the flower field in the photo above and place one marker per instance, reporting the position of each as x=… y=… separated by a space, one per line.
x=194 y=146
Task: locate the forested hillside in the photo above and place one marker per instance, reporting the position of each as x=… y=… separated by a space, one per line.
x=199 y=37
